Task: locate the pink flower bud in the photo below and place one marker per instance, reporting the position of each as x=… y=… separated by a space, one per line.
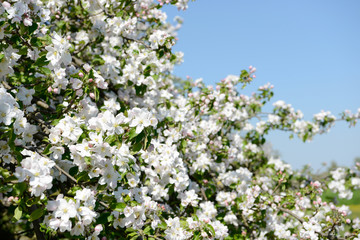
x=56 y=90
x=81 y=74
x=250 y=67
x=57 y=16
x=49 y=89
x=91 y=80
x=27 y=22
x=6 y=5
x=68 y=37
x=92 y=95
x=98 y=228
x=348 y=221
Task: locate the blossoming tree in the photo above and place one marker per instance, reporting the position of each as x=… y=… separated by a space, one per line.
x=98 y=140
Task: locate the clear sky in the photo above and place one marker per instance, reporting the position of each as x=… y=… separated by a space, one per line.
x=309 y=50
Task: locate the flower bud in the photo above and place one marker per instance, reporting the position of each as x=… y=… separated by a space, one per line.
x=6 y=5
x=98 y=228
x=27 y=22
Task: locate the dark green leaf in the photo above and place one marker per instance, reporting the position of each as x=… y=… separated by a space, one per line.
x=38 y=213
x=73 y=170
x=32 y=28
x=137 y=147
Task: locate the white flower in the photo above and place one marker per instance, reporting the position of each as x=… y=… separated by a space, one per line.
x=25 y=95
x=6 y=113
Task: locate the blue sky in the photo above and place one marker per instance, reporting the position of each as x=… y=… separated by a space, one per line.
x=309 y=50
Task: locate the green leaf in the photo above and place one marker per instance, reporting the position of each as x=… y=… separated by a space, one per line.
x=132 y=234
x=19 y=188
x=110 y=139
x=47 y=150
x=103 y=218
x=137 y=147
x=23 y=50
x=130 y=230
x=97 y=94
x=41 y=61
x=55 y=122
x=45 y=70
x=18 y=213
x=32 y=28
x=83 y=176
x=134 y=237
x=197 y=236
x=32 y=201
x=120 y=206
x=147 y=229
x=162 y=225
x=212 y=230
x=73 y=170
x=35 y=42
x=132 y=133
x=38 y=213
